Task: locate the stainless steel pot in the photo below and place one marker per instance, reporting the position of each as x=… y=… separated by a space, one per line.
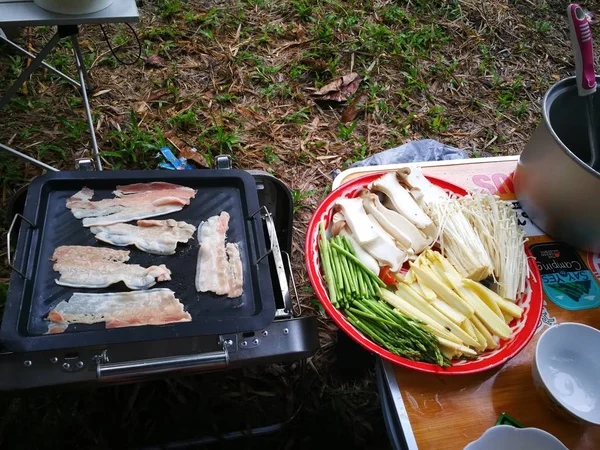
x=74 y=6
x=556 y=187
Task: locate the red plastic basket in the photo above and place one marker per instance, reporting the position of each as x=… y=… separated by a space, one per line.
x=523 y=329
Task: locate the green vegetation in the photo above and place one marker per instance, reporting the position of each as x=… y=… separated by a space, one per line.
x=185 y=121
x=237 y=77
x=300 y=197
x=134 y=147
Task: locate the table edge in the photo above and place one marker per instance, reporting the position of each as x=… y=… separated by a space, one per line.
x=341 y=177
x=389 y=379
x=63 y=19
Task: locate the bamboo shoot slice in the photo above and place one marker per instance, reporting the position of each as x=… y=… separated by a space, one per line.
x=448 y=311
x=483 y=343
x=508 y=307
x=461 y=348
x=479 y=326
x=443 y=291
x=412 y=312
x=483 y=295
x=415 y=287
x=422 y=305
x=465 y=288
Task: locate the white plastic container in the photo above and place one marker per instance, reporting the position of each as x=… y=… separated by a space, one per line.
x=74 y=7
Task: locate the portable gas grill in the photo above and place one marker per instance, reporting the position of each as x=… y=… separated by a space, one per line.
x=262 y=327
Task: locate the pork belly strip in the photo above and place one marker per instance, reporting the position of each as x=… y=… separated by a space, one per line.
x=82 y=206
x=137 y=201
x=148 y=187
x=219 y=267
x=166 y=205
x=119 y=309
x=96 y=267
x=159 y=237
x=212 y=270
x=236 y=280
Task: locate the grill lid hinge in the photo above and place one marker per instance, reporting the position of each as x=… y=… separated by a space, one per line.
x=223 y=162
x=84 y=165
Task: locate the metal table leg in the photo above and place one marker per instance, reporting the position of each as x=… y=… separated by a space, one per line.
x=28 y=158
x=83 y=85
x=24 y=52
x=37 y=62
x=83 y=80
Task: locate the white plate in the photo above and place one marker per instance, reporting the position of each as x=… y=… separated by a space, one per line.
x=503 y=437
x=566 y=366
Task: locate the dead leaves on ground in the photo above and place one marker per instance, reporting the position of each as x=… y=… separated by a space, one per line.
x=191 y=154
x=354 y=107
x=154 y=61
x=339 y=90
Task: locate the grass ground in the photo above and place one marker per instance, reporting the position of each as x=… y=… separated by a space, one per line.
x=235 y=77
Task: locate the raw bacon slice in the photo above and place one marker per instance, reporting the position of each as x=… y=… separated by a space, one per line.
x=95 y=267
x=236 y=281
x=82 y=206
x=219 y=267
x=119 y=309
x=154 y=186
x=136 y=201
x=159 y=237
x=166 y=205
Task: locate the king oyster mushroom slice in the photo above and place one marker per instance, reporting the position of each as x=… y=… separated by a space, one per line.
x=399 y=227
x=369 y=262
x=338 y=223
x=420 y=187
x=384 y=249
x=404 y=203
x=356 y=218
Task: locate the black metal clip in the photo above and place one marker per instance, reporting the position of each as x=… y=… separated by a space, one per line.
x=299 y=305
x=10 y=230
x=223 y=162
x=267 y=216
x=84 y=165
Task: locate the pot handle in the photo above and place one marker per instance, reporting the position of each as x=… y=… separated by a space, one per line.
x=581 y=42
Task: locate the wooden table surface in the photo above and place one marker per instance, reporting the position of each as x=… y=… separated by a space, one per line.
x=448 y=412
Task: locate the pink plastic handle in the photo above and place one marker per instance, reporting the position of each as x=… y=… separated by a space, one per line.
x=581 y=41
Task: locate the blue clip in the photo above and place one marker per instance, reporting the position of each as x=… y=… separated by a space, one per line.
x=173 y=163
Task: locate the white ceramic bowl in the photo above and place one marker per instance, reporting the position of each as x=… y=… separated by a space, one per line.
x=504 y=437
x=566 y=371
x=74 y=6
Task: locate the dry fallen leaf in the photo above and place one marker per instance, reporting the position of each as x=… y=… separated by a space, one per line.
x=154 y=61
x=102 y=92
x=140 y=107
x=354 y=107
x=192 y=155
x=339 y=90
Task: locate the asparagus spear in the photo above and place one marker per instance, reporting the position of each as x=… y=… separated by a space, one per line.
x=357 y=290
x=328 y=271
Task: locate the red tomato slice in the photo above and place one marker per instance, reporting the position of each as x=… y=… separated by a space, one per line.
x=386 y=275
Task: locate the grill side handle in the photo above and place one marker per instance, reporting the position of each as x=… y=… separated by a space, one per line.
x=123 y=371
x=258 y=215
x=11 y=261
